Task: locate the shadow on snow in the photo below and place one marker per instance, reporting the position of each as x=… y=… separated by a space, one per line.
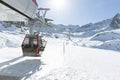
x=10 y=70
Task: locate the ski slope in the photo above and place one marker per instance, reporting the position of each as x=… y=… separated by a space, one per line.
x=56 y=63
x=87 y=64
x=89 y=52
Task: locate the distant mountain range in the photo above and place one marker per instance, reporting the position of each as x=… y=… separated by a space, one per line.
x=104 y=34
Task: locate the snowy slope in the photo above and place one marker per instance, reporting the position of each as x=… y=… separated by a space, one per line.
x=87 y=64
x=88 y=52
x=73 y=63
x=9 y=38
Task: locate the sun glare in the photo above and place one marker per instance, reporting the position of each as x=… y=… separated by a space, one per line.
x=57 y=4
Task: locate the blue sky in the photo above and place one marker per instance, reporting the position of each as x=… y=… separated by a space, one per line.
x=80 y=12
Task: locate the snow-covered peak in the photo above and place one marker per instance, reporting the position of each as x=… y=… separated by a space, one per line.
x=117 y=16
x=116 y=21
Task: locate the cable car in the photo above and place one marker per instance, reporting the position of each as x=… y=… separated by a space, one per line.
x=33 y=45
x=25 y=10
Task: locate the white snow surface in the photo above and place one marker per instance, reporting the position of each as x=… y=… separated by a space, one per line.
x=89 y=52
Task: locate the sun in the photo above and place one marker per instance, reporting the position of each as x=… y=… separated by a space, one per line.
x=57 y=4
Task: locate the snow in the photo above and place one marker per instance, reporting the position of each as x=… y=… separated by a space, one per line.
x=75 y=64
x=87 y=64
x=19 y=69
x=89 y=52
x=107 y=35
x=96 y=63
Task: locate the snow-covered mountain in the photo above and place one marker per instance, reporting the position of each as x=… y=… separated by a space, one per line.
x=9 y=38
x=116 y=21
x=73 y=52
x=103 y=35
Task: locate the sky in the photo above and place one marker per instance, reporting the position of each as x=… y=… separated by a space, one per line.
x=80 y=12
